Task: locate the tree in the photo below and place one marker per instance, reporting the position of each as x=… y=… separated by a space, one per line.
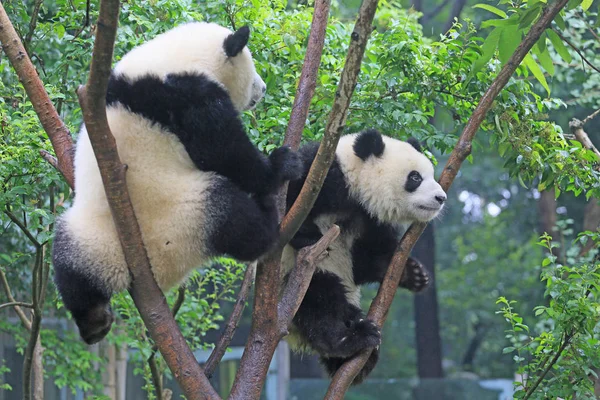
x=272 y=316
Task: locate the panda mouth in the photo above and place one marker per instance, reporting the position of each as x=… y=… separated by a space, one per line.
x=429 y=208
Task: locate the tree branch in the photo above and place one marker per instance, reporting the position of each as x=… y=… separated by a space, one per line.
x=146 y=294
x=571 y=45
x=32 y=23
x=300 y=277
x=581 y=136
x=265 y=332
x=232 y=323
x=16 y=304
x=23 y=228
x=24 y=320
x=382 y=302
x=308 y=77
x=51 y=122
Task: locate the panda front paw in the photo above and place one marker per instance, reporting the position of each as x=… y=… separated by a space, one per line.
x=359 y=335
x=415 y=277
x=286 y=164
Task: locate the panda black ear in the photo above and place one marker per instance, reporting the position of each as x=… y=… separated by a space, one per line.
x=235 y=42
x=368 y=143
x=415 y=143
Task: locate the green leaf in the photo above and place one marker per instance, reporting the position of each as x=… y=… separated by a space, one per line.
x=541 y=44
x=586 y=4
x=560 y=21
x=529 y=16
x=572 y=4
x=510 y=38
x=559 y=46
x=536 y=71
x=488 y=47
x=546 y=61
x=492 y=9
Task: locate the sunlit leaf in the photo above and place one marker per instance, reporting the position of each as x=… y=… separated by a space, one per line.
x=536 y=71
x=492 y=9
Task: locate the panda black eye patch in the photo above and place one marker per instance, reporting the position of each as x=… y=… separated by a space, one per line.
x=413 y=181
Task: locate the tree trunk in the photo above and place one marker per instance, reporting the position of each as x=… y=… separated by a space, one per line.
x=121 y=361
x=37 y=368
x=427 y=332
x=107 y=350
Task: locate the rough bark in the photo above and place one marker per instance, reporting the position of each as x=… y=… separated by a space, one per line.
x=382 y=302
x=28 y=76
x=308 y=76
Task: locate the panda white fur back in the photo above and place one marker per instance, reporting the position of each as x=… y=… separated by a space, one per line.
x=198 y=186
x=375 y=184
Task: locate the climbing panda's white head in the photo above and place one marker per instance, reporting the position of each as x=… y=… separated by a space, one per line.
x=200 y=47
x=392 y=179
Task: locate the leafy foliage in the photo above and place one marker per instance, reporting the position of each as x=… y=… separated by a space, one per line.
x=559 y=358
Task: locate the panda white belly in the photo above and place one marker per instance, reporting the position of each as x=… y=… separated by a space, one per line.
x=168 y=194
x=338 y=260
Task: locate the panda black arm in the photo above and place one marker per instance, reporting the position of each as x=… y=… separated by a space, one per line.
x=200 y=113
x=373 y=251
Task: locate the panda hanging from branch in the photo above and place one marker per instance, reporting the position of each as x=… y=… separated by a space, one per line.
x=198 y=185
x=375 y=184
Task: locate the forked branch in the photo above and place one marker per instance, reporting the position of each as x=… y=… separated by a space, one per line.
x=382 y=302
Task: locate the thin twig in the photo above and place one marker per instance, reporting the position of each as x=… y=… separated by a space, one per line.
x=590 y=117
x=382 y=302
x=16 y=304
x=32 y=23
x=57 y=131
x=563 y=346
x=144 y=290
x=24 y=320
x=23 y=228
x=571 y=45
x=50 y=158
x=219 y=350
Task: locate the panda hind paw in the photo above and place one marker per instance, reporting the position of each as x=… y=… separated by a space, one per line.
x=359 y=335
x=332 y=364
x=415 y=277
x=95 y=324
x=286 y=164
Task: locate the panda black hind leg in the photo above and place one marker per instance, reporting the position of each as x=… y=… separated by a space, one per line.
x=83 y=294
x=332 y=364
x=329 y=323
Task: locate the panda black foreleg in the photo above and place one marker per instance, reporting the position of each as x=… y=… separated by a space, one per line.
x=83 y=294
x=373 y=252
x=330 y=323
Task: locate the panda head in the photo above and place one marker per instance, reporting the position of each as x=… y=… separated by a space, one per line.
x=392 y=179
x=204 y=48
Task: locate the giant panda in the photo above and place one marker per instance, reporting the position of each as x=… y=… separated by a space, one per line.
x=374 y=186
x=198 y=186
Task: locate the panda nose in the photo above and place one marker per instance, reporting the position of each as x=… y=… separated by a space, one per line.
x=440 y=199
